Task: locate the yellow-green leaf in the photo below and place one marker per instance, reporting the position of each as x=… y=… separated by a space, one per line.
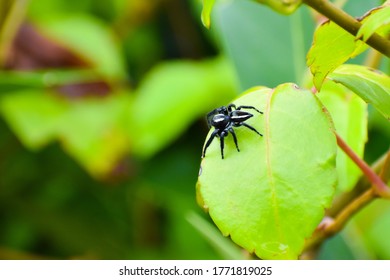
x=206 y=12
x=332 y=46
x=33 y=115
x=90 y=130
x=378 y=18
x=371 y=85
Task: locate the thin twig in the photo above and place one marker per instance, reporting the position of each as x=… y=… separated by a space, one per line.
x=352 y=208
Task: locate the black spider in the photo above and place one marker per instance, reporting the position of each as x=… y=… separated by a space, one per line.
x=224 y=119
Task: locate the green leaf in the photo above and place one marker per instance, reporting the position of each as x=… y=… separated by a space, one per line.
x=94 y=133
x=332 y=46
x=270 y=196
x=33 y=116
x=371 y=85
x=91 y=130
x=349 y=115
x=90 y=38
x=376 y=19
x=285 y=7
x=370 y=225
x=379 y=223
x=172 y=96
x=206 y=12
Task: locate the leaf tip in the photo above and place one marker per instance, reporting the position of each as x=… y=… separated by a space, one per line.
x=206 y=20
x=199 y=198
x=206 y=12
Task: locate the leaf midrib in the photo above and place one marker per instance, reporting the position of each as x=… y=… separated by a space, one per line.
x=271 y=181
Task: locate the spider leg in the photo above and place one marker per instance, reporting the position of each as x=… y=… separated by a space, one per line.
x=222 y=146
x=231 y=130
x=212 y=136
x=248 y=107
x=222 y=140
x=251 y=128
x=230 y=106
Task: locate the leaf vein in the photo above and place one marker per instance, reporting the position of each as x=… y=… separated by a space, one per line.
x=270 y=175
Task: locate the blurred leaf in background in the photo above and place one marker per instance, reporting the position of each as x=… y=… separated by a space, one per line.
x=117 y=87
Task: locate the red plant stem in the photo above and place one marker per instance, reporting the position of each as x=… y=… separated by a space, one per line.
x=379 y=186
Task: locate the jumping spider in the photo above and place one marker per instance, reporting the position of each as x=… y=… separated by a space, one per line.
x=223 y=119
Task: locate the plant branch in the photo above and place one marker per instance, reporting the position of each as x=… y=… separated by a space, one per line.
x=378 y=185
x=348 y=23
x=330 y=227
x=342 y=218
x=361 y=186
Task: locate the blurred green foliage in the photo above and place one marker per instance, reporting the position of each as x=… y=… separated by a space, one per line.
x=101 y=127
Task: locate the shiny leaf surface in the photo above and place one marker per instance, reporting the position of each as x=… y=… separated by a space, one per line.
x=371 y=85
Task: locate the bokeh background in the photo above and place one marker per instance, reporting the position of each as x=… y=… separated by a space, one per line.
x=102 y=123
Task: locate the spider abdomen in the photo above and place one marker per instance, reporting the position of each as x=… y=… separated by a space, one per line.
x=240 y=116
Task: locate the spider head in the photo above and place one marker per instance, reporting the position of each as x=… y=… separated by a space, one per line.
x=213 y=120
x=223 y=110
